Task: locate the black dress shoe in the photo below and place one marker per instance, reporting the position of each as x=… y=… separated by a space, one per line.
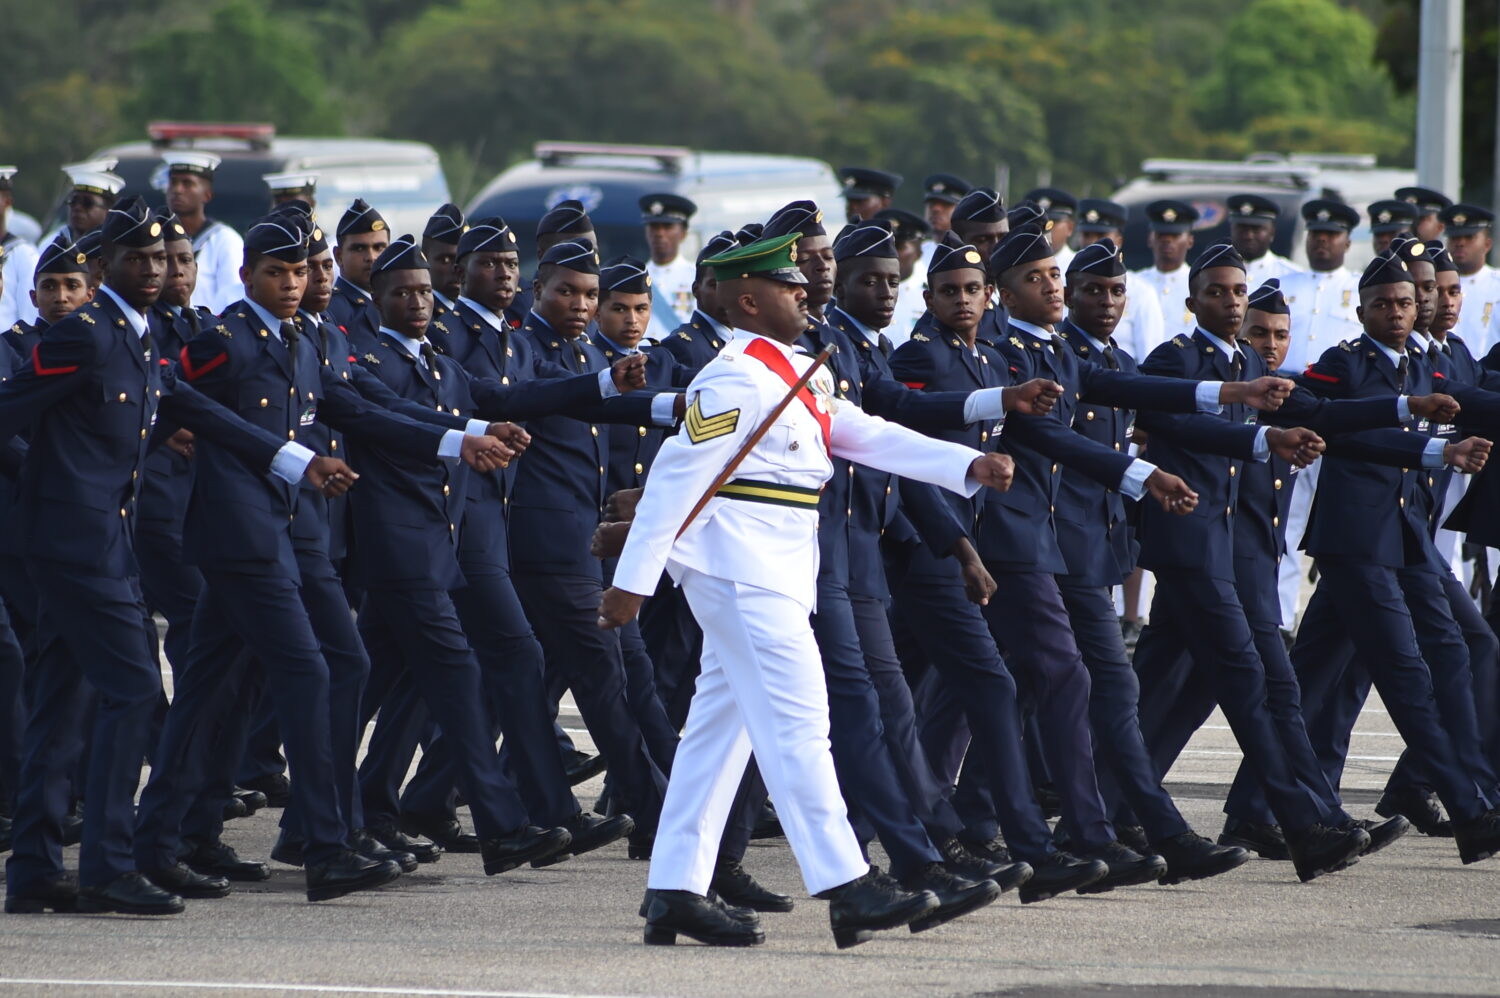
x=1190 y=856
x=529 y=843
x=956 y=895
x=346 y=873
x=1127 y=868
x=1478 y=839
x=186 y=882
x=1059 y=873
x=994 y=850
x=581 y=767
x=235 y=808
x=1320 y=849
x=962 y=862
x=253 y=800
x=1266 y=841
x=130 y=894
x=870 y=903
x=370 y=848
x=745 y=916
x=732 y=883
x=1382 y=833
x=1135 y=837
x=673 y=913
x=276 y=787
x=219 y=860
x=58 y=894
x=641 y=844
x=72 y=824
x=288 y=849
x=767 y=824
x=1420 y=807
x=445 y=831
x=589 y=832
x=394 y=839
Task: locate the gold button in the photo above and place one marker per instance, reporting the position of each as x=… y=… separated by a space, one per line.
x=143 y=434
x=1054 y=468
x=1401 y=502
x=455 y=410
x=1275 y=521
x=292 y=391
x=309 y=396
x=1052 y=509
x=1405 y=470
x=594 y=430
x=1228 y=510
x=1231 y=471
x=639 y=468
x=439 y=408
x=445 y=490
x=641 y=430
x=451 y=528
x=1117 y=445
x=887 y=490
x=984 y=435
x=505 y=380
x=1278 y=483
x=123 y=396
x=291 y=434
x=601 y=469
x=848 y=511
x=122 y=511
x=1429 y=481
x=851 y=470
x=1089 y=414
x=134 y=475
x=264 y=333
x=158 y=393
x=264 y=403
x=333 y=445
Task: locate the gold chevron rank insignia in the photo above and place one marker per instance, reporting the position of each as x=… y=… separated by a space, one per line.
x=701 y=428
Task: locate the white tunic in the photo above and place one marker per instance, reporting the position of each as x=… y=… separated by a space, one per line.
x=1479 y=319
x=910 y=306
x=1171 y=289
x=220 y=252
x=20 y=262
x=1322 y=304
x=672 y=283
x=1142 y=328
x=1260 y=271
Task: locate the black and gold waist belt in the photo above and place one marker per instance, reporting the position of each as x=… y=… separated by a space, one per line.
x=773 y=493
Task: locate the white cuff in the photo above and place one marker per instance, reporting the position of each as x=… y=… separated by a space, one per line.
x=607 y=389
x=1262 y=449
x=450 y=448
x=1432 y=454
x=1208 y=396
x=1403 y=408
x=986 y=405
x=290 y=463
x=476 y=428
x=1133 y=482
x=663 y=409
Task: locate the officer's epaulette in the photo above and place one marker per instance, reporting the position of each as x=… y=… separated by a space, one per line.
x=1015 y=341
x=370 y=358
x=921 y=337
x=683 y=333
x=439 y=325
x=16 y=328
x=1347 y=345
x=647 y=339
x=1180 y=340
x=224 y=331
x=87 y=318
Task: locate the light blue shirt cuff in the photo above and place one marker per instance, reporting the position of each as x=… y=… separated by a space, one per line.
x=986 y=405
x=1208 y=396
x=1432 y=454
x=450 y=448
x=662 y=407
x=1403 y=408
x=1262 y=449
x=290 y=463
x=607 y=389
x=1133 y=483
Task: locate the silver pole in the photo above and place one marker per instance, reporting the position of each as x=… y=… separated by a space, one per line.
x=1440 y=95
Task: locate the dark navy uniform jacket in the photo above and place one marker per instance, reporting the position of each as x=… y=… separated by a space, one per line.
x=632 y=449
x=22 y=336
x=168 y=476
x=695 y=342
x=92 y=389
x=561 y=481
x=356 y=315
x=241 y=521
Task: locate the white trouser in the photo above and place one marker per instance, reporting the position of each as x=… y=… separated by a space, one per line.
x=1290 y=575
x=761 y=688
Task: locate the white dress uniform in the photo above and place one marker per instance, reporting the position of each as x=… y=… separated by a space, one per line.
x=748 y=566
x=220 y=252
x=1323 y=316
x=1260 y=271
x=910 y=305
x=1063 y=257
x=1479 y=319
x=17 y=267
x=1142 y=327
x=671 y=285
x=1171 y=287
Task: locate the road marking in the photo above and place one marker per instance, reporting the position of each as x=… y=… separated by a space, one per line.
x=356 y=989
x=1236 y=752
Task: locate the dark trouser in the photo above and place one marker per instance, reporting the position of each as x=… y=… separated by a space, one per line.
x=862 y=758
x=170 y=587
x=564 y=610
x=674 y=641
x=511 y=664
x=1114 y=695
x=1027 y=617
x=265 y=616
x=12 y=711
x=1370 y=602
x=421 y=627
x=88 y=636
x=1203 y=614
x=262 y=756
x=956 y=640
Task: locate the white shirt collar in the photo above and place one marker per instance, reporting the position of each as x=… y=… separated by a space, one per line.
x=441 y=299
x=411 y=346
x=873 y=335
x=1041 y=332
x=267 y=319
x=1229 y=348
x=486 y=314
x=627 y=351
x=1390 y=354
x=1420 y=339
x=136 y=319
x=1096 y=344
x=727 y=332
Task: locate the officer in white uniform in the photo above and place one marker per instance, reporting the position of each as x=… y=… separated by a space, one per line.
x=294 y=185
x=665 y=217
x=1471 y=236
x=17 y=261
x=1252 y=227
x=1428 y=206
x=1171 y=237
x=1061 y=209
x=747 y=565
x=1387 y=218
x=219 y=249
x=941 y=193
x=911 y=232
x=1141 y=328
x=95 y=188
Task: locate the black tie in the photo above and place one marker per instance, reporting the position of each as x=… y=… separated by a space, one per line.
x=1236 y=366
x=289 y=335
x=1401 y=374
x=429 y=355
x=1447 y=350
x=1110 y=359
x=190 y=316
x=1433 y=352
x=886 y=347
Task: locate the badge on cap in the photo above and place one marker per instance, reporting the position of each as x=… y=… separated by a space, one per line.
x=1384 y=216
x=1324 y=215
x=973 y=256
x=377 y=225
x=177 y=228
x=791 y=252
x=317 y=233
x=848 y=181
x=1460 y=219
x=1416 y=249
x=1170 y=215
x=939 y=187
x=657 y=208
x=1091 y=215
x=1247 y=208
x=155 y=229
x=81 y=258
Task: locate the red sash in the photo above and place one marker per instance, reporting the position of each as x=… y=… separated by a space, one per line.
x=767 y=354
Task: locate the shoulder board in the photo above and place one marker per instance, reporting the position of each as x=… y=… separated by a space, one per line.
x=1347 y=346
x=684 y=334
x=1180 y=341
x=370 y=358
x=224 y=332
x=87 y=318
x=1015 y=341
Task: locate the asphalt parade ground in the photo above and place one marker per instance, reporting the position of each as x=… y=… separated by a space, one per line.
x=1410 y=920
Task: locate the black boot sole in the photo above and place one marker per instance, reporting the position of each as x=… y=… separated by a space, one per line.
x=585 y=844
x=543 y=848
x=947 y=913
x=1229 y=861
x=847 y=936
x=101 y=906
x=1032 y=892
x=1265 y=850
x=656 y=935
x=376 y=877
x=1143 y=875
x=38 y=906
x=1333 y=865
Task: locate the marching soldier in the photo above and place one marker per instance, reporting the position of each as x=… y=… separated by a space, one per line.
x=440 y=240
x=1252 y=227
x=666 y=218
x=867 y=191
x=1387 y=219
x=1428 y=206
x=1170 y=238
x=362 y=236
x=1141 y=327
x=940 y=193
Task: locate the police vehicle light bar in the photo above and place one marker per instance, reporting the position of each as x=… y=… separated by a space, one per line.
x=258 y=135
x=1296 y=174
x=670 y=158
